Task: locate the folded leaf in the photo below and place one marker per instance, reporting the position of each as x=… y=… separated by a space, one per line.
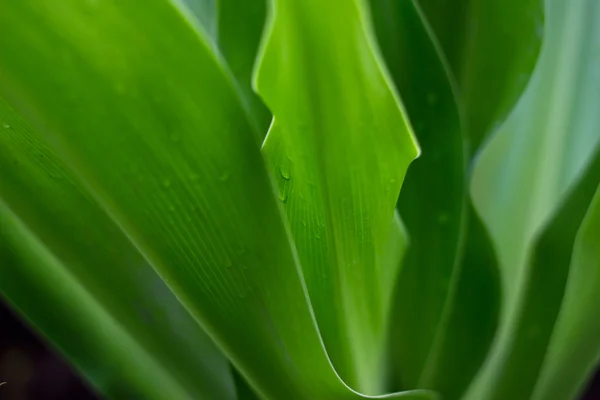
x=339 y=147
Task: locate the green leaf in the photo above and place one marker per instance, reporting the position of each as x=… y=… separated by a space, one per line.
x=33 y=276
x=574 y=350
x=456 y=294
x=140 y=108
x=492 y=47
x=241 y=24
x=543 y=287
x=339 y=147
x=99 y=260
x=525 y=172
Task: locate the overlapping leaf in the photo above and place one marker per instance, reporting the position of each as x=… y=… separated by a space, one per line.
x=520 y=180
x=138 y=105
x=574 y=350
x=446 y=302
x=492 y=47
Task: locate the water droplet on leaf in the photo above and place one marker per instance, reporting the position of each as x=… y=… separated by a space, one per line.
x=285 y=173
x=283 y=196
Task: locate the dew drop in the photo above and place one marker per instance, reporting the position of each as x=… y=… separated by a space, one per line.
x=443 y=218
x=166 y=183
x=5 y=125
x=283 y=196
x=285 y=173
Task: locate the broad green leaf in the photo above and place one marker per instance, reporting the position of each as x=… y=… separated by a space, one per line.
x=492 y=47
x=338 y=147
x=529 y=165
x=446 y=302
x=100 y=261
x=574 y=350
x=134 y=100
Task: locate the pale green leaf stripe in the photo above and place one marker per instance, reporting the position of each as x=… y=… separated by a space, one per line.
x=528 y=166
x=574 y=351
x=111 y=359
x=339 y=148
x=139 y=106
x=46 y=197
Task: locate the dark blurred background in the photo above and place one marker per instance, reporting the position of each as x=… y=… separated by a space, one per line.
x=33 y=371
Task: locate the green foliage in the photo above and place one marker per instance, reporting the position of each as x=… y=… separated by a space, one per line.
x=218 y=200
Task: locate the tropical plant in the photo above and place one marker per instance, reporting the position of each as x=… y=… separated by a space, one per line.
x=207 y=199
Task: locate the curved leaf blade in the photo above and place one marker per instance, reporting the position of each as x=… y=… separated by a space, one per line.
x=574 y=349
x=492 y=47
x=339 y=147
x=529 y=166
x=442 y=316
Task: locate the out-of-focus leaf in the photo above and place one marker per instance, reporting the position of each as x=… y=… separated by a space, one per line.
x=339 y=147
x=240 y=27
x=234 y=29
x=100 y=261
x=446 y=302
x=471 y=316
x=109 y=357
x=141 y=110
x=524 y=173
x=492 y=47
x=574 y=349
x=517 y=371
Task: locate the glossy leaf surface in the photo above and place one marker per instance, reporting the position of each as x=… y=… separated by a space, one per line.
x=339 y=147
